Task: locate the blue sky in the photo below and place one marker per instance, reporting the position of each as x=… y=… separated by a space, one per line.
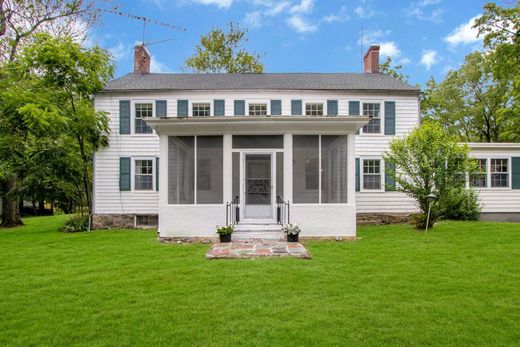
x=428 y=37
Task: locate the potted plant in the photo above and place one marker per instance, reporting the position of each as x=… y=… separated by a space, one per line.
x=225 y=232
x=292 y=231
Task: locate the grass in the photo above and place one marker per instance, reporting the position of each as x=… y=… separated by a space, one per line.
x=457 y=285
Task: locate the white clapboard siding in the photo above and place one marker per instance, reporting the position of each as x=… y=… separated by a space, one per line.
x=108 y=198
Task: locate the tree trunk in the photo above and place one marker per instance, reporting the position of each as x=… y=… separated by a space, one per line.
x=10 y=205
x=41 y=207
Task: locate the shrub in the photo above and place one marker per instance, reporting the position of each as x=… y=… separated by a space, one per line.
x=291 y=229
x=460 y=204
x=76 y=223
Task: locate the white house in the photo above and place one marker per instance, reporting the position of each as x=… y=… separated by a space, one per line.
x=192 y=151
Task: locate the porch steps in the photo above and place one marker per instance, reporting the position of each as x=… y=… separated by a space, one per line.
x=257 y=232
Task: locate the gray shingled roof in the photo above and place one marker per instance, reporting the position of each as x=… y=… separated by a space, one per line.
x=252 y=81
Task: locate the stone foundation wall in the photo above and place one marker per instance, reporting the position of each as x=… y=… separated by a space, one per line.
x=382 y=218
x=112 y=221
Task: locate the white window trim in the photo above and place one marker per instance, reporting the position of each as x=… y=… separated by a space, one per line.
x=267 y=108
x=154 y=175
x=362 y=174
x=310 y=102
x=381 y=113
x=200 y=101
x=132 y=115
x=509 y=176
x=488 y=176
x=267 y=102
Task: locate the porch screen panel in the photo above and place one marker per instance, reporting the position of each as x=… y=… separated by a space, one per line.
x=306 y=168
x=210 y=169
x=181 y=169
x=236 y=175
x=279 y=174
x=334 y=173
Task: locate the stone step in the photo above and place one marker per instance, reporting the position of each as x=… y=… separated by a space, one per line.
x=258 y=235
x=258 y=227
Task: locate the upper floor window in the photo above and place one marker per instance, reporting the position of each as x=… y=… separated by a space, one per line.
x=201 y=110
x=314 y=109
x=143 y=179
x=142 y=111
x=374 y=125
x=372 y=174
x=257 y=109
x=499 y=173
x=479 y=177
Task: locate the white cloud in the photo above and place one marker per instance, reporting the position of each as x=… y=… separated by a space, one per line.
x=120 y=51
x=463 y=34
x=373 y=36
x=157 y=66
x=305 y=6
x=253 y=19
x=278 y=8
x=300 y=24
x=339 y=16
x=429 y=2
x=429 y=58
x=404 y=61
x=389 y=49
x=362 y=12
x=218 y=3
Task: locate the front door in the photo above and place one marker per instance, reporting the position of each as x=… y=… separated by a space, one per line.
x=258 y=186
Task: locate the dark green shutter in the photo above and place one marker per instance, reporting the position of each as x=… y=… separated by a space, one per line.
x=182 y=108
x=276 y=107
x=160 y=108
x=358 y=183
x=332 y=107
x=389 y=177
x=240 y=108
x=353 y=108
x=124 y=116
x=219 y=107
x=296 y=107
x=515 y=166
x=157 y=173
x=389 y=117
x=124 y=174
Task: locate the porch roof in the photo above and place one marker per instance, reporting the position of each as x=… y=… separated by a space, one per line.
x=257 y=125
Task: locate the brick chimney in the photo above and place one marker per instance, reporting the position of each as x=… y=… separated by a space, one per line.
x=371 y=59
x=141 y=59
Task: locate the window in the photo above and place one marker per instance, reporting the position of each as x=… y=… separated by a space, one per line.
x=143 y=175
x=314 y=109
x=374 y=125
x=479 y=177
x=499 y=173
x=201 y=110
x=142 y=111
x=181 y=169
x=210 y=169
x=257 y=109
x=372 y=174
x=146 y=221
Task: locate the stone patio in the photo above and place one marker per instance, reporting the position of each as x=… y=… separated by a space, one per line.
x=257 y=249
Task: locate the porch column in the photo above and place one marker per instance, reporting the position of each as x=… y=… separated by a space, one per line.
x=163 y=176
x=228 y=169
x=288 y=167
x=351 y=160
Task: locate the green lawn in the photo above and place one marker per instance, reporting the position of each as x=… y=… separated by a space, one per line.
x=457 y=285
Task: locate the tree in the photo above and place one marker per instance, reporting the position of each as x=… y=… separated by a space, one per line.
x=220 y=51
x=20 y=20
x=429 y=161
x=393 y=71
x=472 y=103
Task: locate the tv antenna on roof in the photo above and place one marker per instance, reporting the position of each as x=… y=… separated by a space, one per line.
x=145 y=20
